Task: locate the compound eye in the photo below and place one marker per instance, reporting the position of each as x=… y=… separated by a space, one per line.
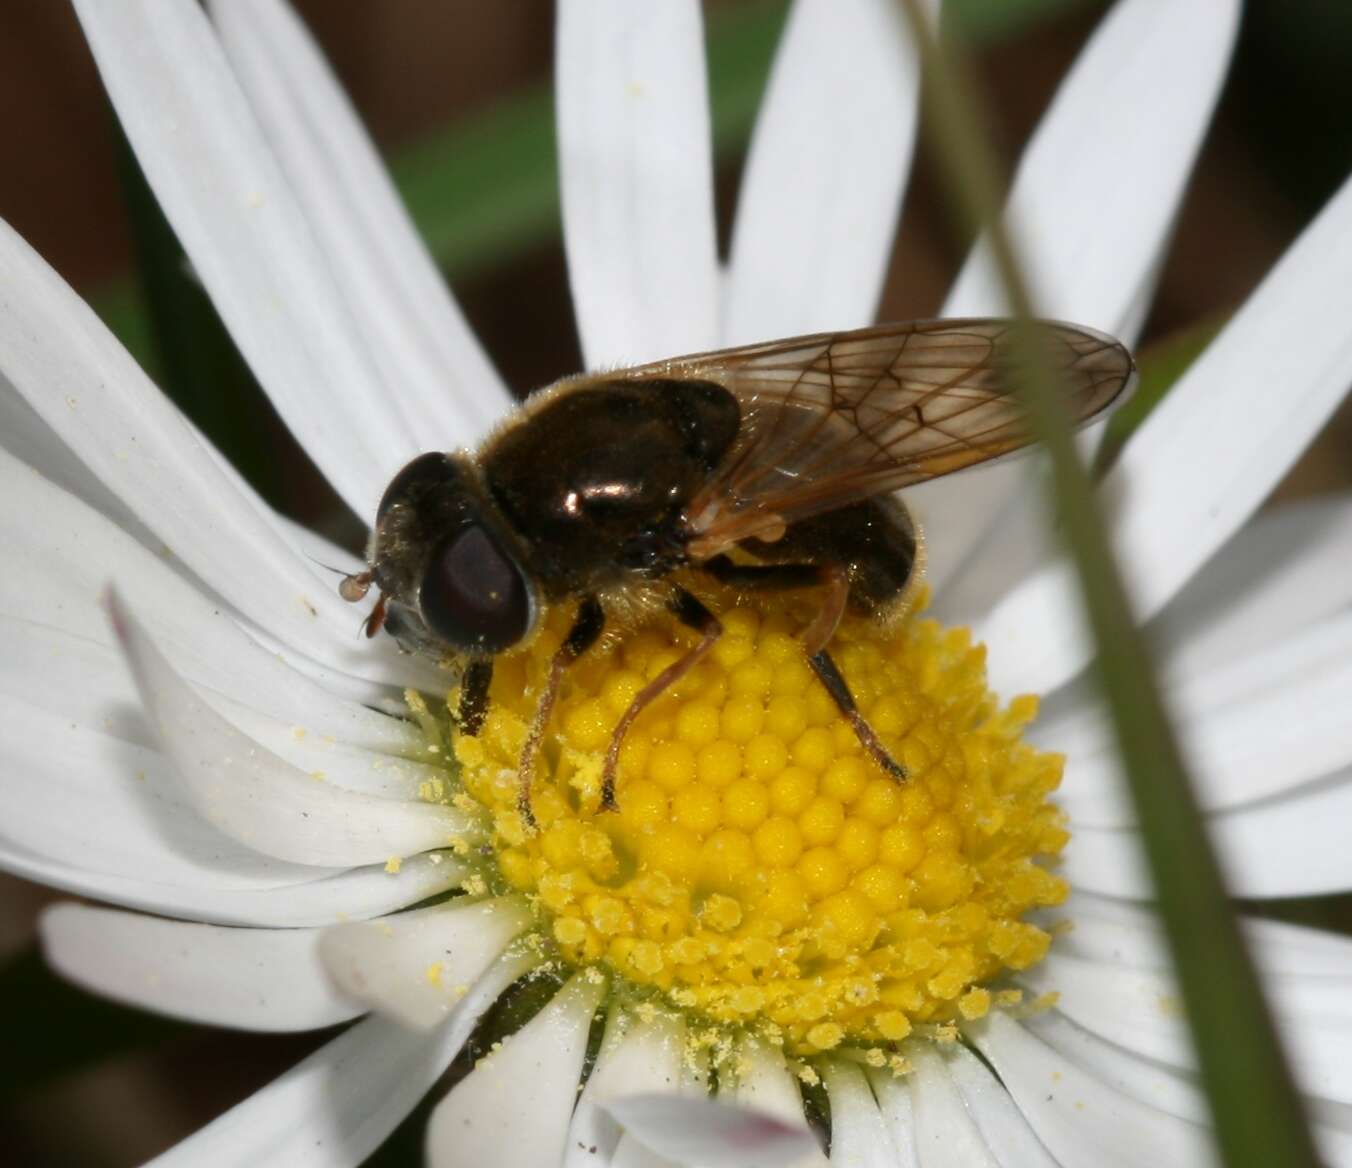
x=474 y=596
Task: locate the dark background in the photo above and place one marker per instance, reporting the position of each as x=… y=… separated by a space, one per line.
x=92 y=1084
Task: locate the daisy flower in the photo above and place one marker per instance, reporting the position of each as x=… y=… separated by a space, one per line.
x=272 y=806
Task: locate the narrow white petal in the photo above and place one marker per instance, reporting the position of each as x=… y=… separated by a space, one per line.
x=230 y=204
x=85 y=686
x=73 y=373
x=859 y=1136
x=1283 y=571
x=256 y=798
x=824 y=174
x=436 y=375
x=353 y=895
x=85 y=680
x=1174 y=510
x=335 y=1108
x=954 y=513
x=686 y=1129
x=1108 y=861
x=1079 y=1118
x=1141 y=1010
x=897 y=1107
x=1332 y=1128
x=93 y=801
x=417 y=966
x=28 y=439
x=1173 y=1091
x=1256 y=728
x=248 y=979
x=946 y=1136
x=765 y=1082
x=1118 y=932
x=1096 y=191
x=1163 y=1088
x=636 y=178
x=1291 y=845
x=1003 y=1126
x=513 y=1109
x=636 y=1056
x=1092 y=203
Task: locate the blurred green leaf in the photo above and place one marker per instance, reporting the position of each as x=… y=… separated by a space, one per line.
x=983 y=21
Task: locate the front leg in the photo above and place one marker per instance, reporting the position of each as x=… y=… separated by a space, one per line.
x=473 y=705
x=690 y=612
x=587 y=626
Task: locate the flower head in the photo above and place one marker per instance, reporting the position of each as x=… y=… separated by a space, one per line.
x=282 y=776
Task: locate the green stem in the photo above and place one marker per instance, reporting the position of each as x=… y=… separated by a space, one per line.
x=1256 y=1108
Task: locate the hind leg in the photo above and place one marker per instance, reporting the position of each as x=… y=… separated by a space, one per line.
x=816 y=636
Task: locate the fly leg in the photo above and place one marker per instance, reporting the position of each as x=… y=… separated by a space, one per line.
x=815 y=638
x=473 y=705
x=689 y=611
x=587 y=626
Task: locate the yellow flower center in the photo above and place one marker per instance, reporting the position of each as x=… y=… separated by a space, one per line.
x=761 y=869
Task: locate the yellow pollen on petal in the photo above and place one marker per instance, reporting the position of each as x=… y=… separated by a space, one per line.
x=761 y=870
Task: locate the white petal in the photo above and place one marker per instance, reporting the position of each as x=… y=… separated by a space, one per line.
x=859 y=1137
x=1174 y=510
x=1002 y=1125
x=1098 y=186
x=1163 y=1088
x=351 y=895
x=335 y=1108
x=1118 y=932
x=946 y=1136
x=686 y=1129
x=73 y=373
x=436 y=375
x=765 y=1082
x=1141 y=1011
x=416 y=967
x=256 y=798
x=636 y=178
x=1291 y=845
x=86 y=686
x=230 y=204
x=824 y=173
x=96 y=802
x=636 y=1055
x=893 y=1095
x=1256 y=728
x=249 y=979
x=1282 y=572
x=1079 y=1118
x=1092 y=203
x=27 y=438
x=513 y=1109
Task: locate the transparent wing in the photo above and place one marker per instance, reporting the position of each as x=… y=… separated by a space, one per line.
x=835 y=418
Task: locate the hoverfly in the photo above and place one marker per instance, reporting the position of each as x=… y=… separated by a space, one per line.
x=769 y=466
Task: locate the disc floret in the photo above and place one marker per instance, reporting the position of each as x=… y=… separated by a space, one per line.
x=761 y=870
